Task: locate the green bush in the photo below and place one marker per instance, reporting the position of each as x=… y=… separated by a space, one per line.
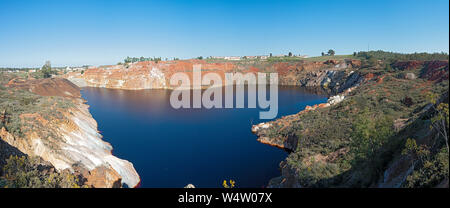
x=370 y=133
x=24 y=172
x=429 y=174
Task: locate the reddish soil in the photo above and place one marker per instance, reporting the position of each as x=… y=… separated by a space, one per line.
x=47 y=87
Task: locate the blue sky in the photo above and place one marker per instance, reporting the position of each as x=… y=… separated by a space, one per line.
x=104 y=32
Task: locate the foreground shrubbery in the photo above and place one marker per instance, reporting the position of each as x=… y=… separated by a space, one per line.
x=24 y=172
x=430 y=171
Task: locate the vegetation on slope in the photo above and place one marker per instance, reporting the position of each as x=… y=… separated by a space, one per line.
x=32 y=172
x=353 y=143
x=23 y=171
x=392 y=56
x=15 y=102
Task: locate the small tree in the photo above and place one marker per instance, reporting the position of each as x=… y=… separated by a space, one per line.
x=290 y=54
x=388 y=67
x=127 y=60
x=369 y=134
x=47 y=69
x=416 y=152
x=440 y=122
x=331 y=52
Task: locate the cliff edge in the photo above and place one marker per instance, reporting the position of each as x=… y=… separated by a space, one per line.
x=51 y=120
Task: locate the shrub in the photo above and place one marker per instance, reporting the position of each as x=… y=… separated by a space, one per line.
x=24 y=172
x=369 y=134
x=433 y=171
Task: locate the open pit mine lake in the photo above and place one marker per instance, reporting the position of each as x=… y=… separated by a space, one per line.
x=175 y=147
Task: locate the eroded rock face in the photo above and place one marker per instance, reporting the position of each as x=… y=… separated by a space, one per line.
x=134 y=78
x=101 y=176
x=150 y=75
x=407 y=65
x=74 y=143
x=435 y=71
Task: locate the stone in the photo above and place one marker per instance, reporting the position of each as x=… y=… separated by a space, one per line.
x=410 y=76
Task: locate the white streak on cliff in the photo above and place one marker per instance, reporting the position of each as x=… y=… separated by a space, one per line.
x=85 y=146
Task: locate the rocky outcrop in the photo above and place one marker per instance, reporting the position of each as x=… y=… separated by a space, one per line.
x=133 y=78
x=142 y=75
x=72 y=141
x=435 y=71
x=407 y=65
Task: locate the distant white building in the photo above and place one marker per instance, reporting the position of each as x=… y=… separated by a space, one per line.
x=236 y=58
x=232 y=58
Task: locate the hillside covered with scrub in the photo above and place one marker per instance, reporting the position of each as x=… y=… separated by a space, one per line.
x=389 y=130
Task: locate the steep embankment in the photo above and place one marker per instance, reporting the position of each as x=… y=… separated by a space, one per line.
x=48 y=118
x=361 y=140
x=331 y=75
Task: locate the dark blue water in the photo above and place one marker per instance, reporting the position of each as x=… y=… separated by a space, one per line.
x=172 y=148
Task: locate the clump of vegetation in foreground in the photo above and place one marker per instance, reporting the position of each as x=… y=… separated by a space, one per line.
x=25 y=172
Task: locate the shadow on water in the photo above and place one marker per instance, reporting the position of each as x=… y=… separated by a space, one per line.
x=174 y=147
